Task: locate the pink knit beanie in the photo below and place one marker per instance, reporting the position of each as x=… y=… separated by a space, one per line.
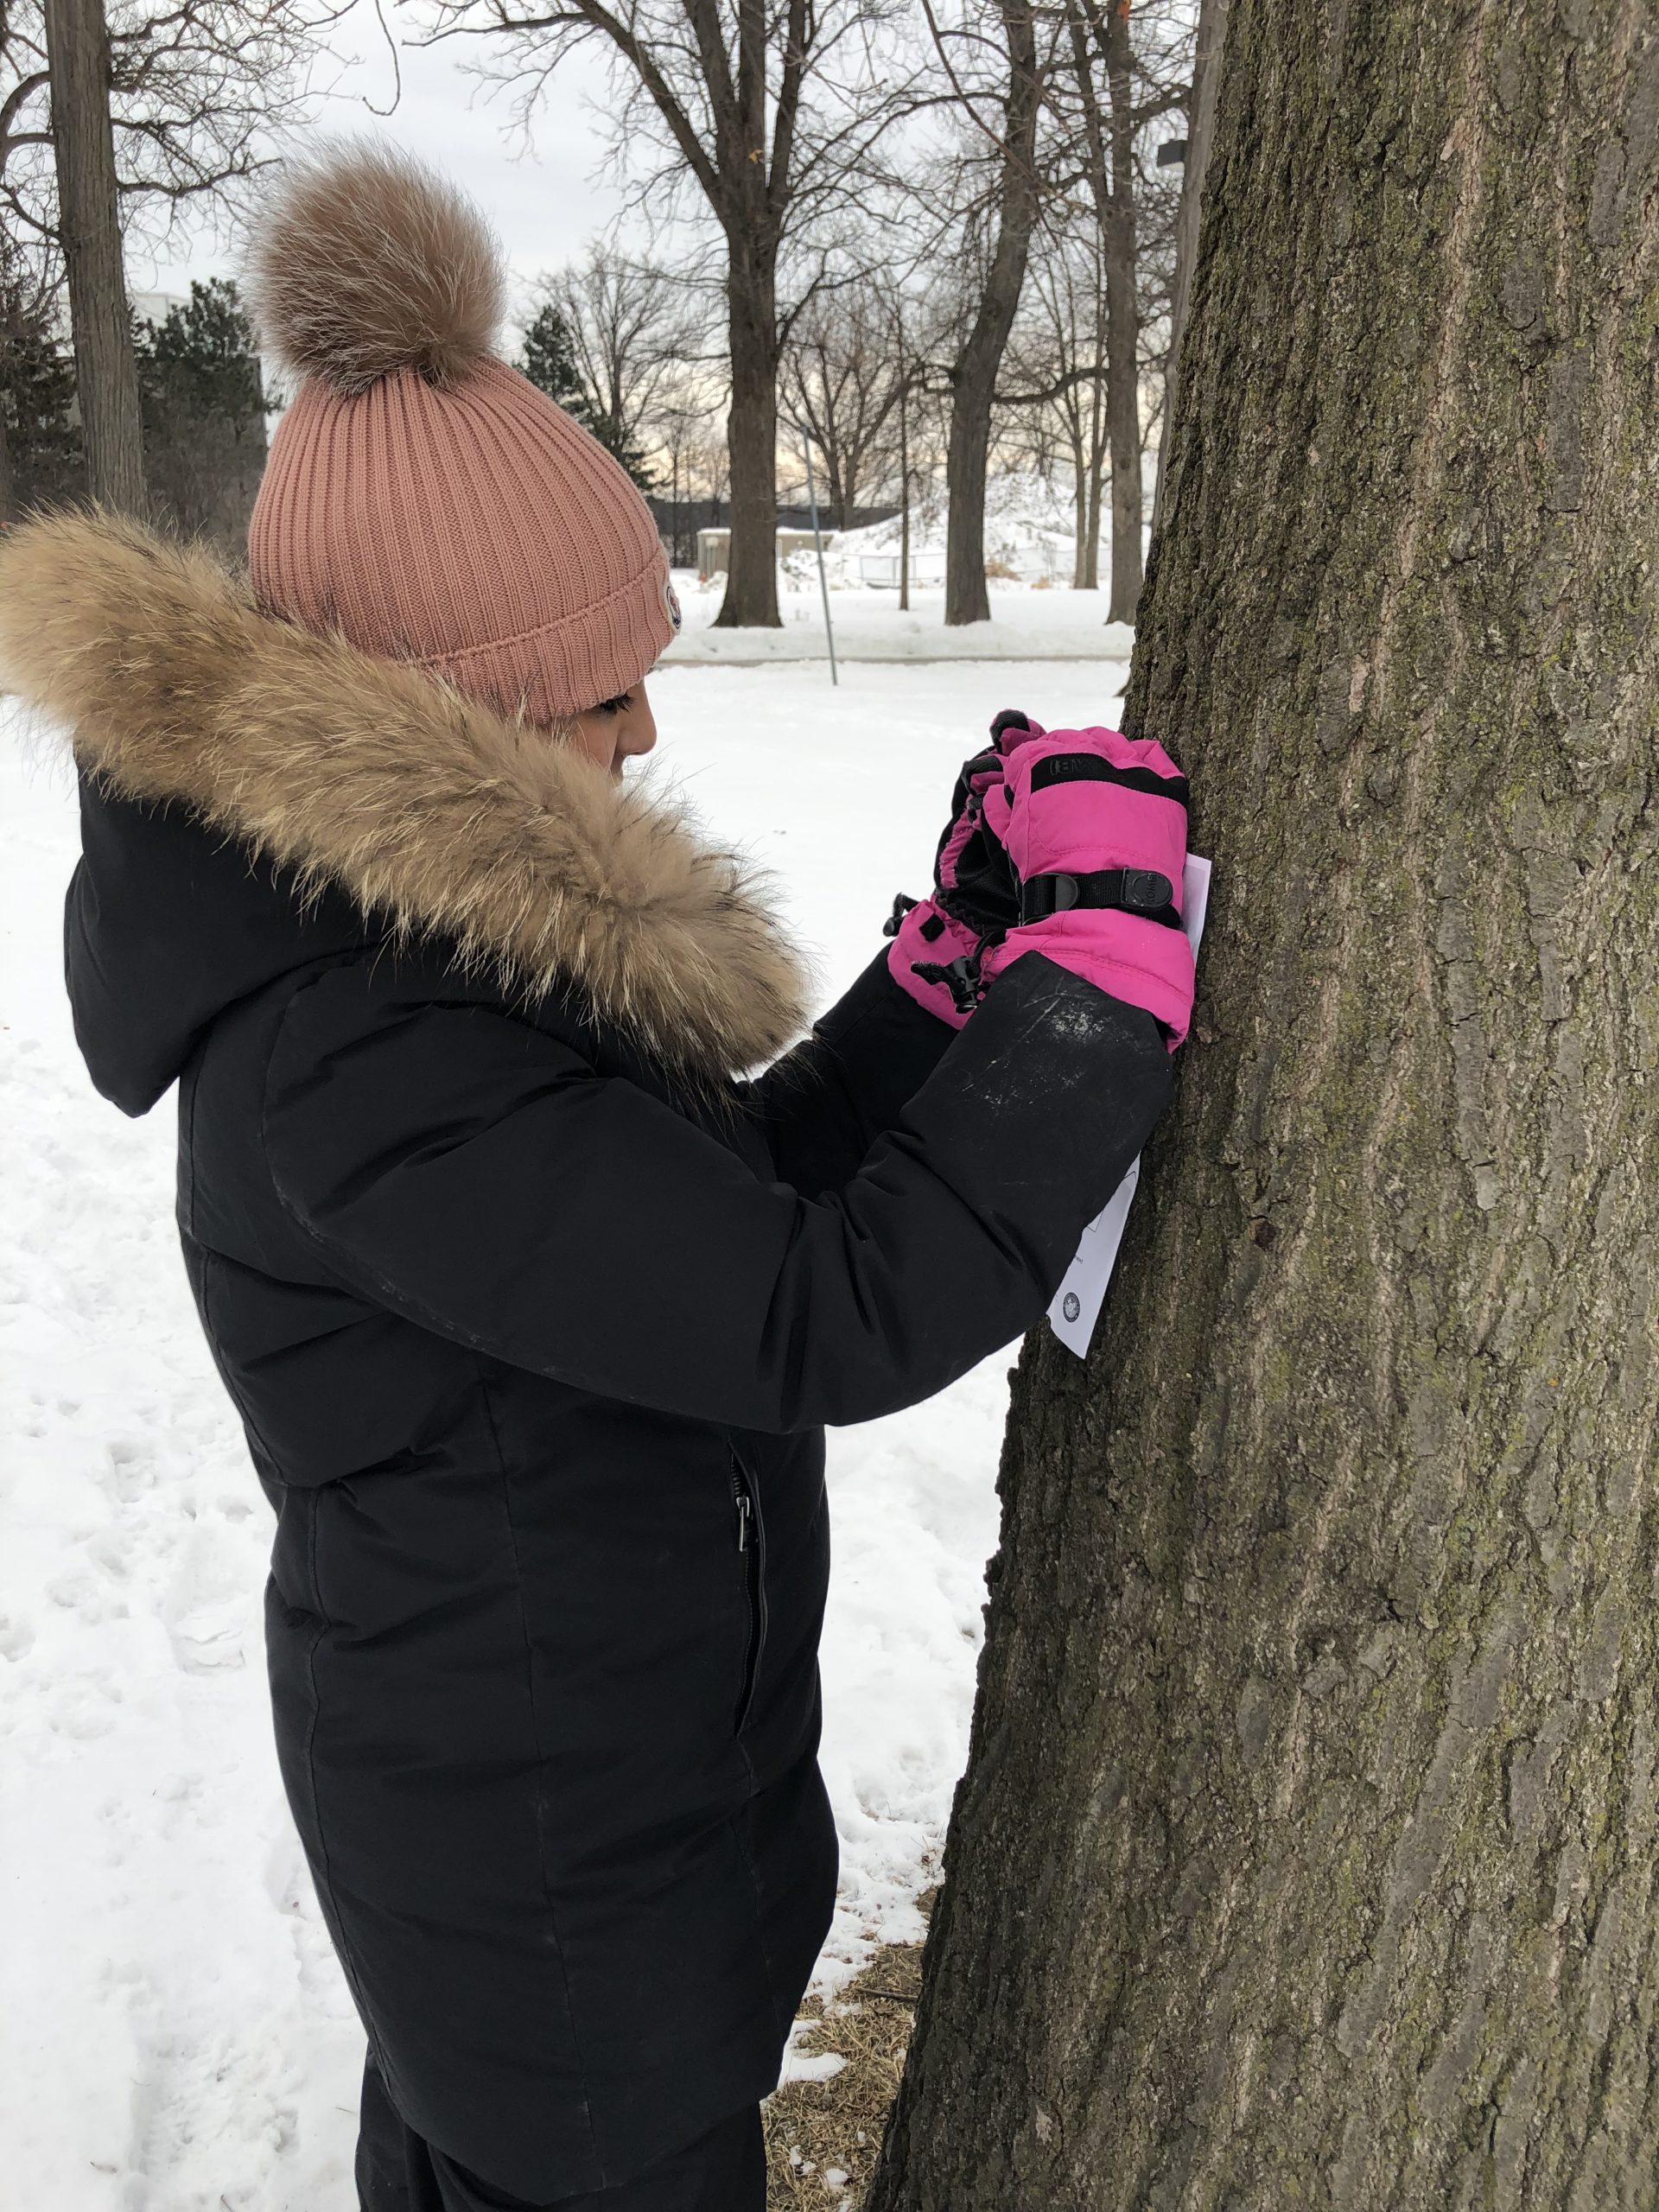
x=422 y=498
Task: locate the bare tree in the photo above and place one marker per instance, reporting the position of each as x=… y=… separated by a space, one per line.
x=106 y=380
x=160 y=103
x=1200 y=134
x=1056 y=365
x=767 y=113
x=1143 y=71
x=840 y=374
x=683 y=436
x=1110 y=170
x=905 y=367
x=25 y=124
x=1000 y=105
x=630 y=327
x=191 y=84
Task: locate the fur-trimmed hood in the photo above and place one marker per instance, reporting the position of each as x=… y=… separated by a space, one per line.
x=430 y=812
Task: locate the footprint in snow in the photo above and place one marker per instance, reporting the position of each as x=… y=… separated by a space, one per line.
x=16 y=1638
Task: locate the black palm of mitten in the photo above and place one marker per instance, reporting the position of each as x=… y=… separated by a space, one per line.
x=937 y=944
x=975 y=880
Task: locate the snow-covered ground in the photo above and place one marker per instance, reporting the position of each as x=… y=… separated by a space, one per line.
x=1027 y=624
x=174 y=2034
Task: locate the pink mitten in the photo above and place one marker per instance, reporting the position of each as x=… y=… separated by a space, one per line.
x=1094 y=823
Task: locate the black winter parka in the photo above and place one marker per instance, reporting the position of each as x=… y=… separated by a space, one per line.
x=534 y=1317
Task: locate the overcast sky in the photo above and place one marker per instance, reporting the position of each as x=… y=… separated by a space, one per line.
x=545 y=203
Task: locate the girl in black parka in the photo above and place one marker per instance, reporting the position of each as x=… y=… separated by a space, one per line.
x=534 y=1314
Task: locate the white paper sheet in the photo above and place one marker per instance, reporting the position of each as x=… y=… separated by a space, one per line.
x=1079 y=1298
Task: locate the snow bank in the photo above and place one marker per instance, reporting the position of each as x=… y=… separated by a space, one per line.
x=1026 y=623
x=176 y=2036
x=1030 y=530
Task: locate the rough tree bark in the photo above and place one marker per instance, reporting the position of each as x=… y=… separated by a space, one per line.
x=1308 y=1853
x=973 y=374
x=106 y=380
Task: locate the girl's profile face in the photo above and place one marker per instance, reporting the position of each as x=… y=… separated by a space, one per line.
x=616 y=730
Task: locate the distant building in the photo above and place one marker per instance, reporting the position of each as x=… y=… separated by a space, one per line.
x=715 y=547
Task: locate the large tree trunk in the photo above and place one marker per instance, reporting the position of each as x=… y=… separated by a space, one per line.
x=973 y=375
x=106 y=379
x=1122 y=324
x=1308 y=1849
x=751 y=597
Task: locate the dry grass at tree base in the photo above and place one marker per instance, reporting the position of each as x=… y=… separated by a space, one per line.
x=816 y=2129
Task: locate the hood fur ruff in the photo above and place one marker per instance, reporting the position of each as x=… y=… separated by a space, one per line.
x=420 y=803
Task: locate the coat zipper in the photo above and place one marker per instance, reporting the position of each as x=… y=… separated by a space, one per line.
x=752 y=1544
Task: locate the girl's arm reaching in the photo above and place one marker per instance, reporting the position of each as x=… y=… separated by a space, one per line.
x=825 y=1103
x=476 y=1176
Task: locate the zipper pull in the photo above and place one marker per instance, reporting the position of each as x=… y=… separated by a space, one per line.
x=745 y=1507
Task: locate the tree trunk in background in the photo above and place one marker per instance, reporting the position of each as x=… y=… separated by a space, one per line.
x=1097 y=480
x=1200 y=135
x=1122 y=324
x=7 y=486
x=904 y=479
x=1080 y=515
x=751 y=596
x=1308 y=1853
x=105 y=377
x=1097 y=450
x=973 y=378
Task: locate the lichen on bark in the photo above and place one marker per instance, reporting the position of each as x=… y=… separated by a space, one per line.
x=1306 y=1851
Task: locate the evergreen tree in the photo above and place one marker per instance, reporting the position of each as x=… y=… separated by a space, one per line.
x=202 y=356
x=40 y=444
x=549 y=362
x=204 y=413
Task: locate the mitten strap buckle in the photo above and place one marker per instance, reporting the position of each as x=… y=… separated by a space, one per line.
x=960 y=976
x=1143 y=891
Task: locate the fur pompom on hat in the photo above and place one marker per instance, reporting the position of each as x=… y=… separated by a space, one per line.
x=422 y=498
x=367 y=263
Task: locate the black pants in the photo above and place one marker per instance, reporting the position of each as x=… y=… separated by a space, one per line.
x=397 y=2171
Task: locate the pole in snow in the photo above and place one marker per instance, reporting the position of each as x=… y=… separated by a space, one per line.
x=818 y=540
